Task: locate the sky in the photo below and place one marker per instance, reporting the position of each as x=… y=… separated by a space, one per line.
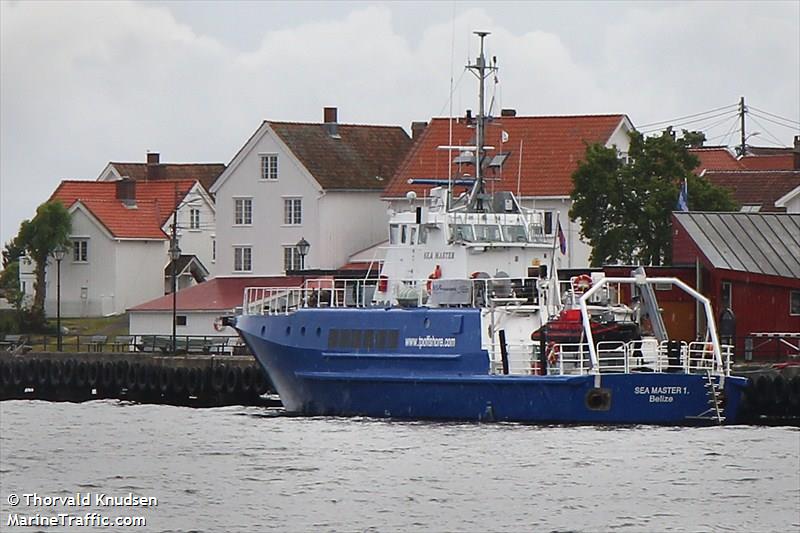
x=82 y=84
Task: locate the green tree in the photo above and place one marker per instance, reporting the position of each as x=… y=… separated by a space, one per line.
x=624 y=207
x=48 y=229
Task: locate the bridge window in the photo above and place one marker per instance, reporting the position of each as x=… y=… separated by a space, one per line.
x=462 y=232
x=487 y=233
x=515 y=233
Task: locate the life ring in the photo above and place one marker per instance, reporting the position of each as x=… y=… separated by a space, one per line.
x=552 y=354
x=436 y=274
x=582 y=283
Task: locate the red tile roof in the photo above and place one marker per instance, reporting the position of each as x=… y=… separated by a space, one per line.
x=353 y=159
x=715 y=158
x=768 y=162
x=155 y=202
x=218 y=294
x=551 y=150
x=756 y=187
x=205 y=173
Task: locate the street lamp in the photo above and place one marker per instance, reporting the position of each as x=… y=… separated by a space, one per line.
x=58 y=253
x=174 y=255
x=302 y=247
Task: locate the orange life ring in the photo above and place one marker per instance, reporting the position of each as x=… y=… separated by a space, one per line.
x=582 y=283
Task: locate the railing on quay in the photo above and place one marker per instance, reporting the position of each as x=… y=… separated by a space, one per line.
x=160 y=344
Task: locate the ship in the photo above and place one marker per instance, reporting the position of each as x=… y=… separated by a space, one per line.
x=468 y=320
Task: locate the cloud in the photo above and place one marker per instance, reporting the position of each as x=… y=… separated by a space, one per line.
x=85 y=83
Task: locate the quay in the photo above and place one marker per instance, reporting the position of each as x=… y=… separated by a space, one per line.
x=772 y=396
x=198 y=380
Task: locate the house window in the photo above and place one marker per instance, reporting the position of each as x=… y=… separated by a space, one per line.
x=726 y=297
x=180 y=320
x=292 y=211
x=80 y=250
x=548 y=223
x=269 y=166
x=242 y=259
x=243 y=211
x=794 y=303
x=194 y=219
x=213 y=249
x=291 y=258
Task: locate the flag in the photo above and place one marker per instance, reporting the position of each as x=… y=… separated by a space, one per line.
x=504 y=136
x=683 y=198
x=562 y=240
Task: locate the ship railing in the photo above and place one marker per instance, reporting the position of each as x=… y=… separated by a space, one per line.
x=645 y=355
x=431 y=292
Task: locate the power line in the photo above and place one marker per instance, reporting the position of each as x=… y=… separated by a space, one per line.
x=680 y=124
x=793 y=127
x=728 y=131
x=774 y=115
x=688 y=116
x=767 y=131
x=731 y=130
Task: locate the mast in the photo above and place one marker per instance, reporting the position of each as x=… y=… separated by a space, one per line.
x=481 y=71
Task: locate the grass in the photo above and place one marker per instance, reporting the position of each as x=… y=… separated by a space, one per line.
x=110 y=326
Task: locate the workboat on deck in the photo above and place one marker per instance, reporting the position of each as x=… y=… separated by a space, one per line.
x=468 y=321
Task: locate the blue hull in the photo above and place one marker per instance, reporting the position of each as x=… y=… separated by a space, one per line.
x=428 y=364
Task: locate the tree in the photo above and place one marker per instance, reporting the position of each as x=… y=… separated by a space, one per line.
x=624 y=207
x=49 y=228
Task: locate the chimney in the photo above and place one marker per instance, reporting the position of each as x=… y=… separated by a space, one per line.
x=796 y=152
x=331 y=124
x=126 y=191
x=416 y=129
x=469 y=116
x=153 y=166
x=508 y=112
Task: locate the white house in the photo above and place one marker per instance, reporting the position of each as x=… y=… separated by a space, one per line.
x=534 y=157
x=120 y=241
x=196 y=214
x=790 y=201
x=292 y=181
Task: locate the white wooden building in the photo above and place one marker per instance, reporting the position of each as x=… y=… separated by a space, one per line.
x=320 y=182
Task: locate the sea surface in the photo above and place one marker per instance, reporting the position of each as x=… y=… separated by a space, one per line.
x=254 y=469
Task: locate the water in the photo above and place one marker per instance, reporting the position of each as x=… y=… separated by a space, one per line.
x=251 y=469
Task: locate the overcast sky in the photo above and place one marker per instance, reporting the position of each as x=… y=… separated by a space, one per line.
x=82 y=84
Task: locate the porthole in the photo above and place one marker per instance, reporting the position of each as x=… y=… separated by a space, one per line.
x=319 y=332
x=427 y=323
x=303 y=330
x=263 y=330
x=288 y=330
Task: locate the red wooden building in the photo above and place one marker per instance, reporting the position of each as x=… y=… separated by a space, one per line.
x=750 y=263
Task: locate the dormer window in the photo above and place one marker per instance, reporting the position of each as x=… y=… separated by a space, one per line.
x=498 y=160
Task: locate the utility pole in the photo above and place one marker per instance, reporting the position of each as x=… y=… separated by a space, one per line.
x=742 y=111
